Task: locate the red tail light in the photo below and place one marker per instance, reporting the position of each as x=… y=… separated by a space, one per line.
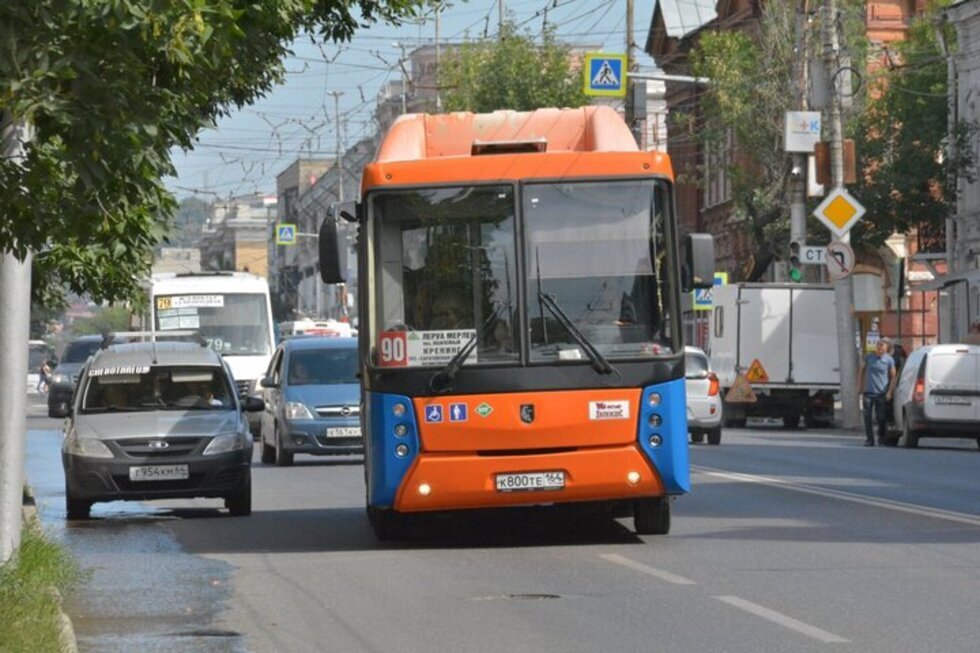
x=919 y=394
x=712 y=384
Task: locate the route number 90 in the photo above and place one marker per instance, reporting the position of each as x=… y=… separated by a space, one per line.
x=393 y=349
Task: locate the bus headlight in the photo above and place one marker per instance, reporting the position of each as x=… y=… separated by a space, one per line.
x=655 y=399
x=401 y=450
x=655 y=420
x=656 y=440
x=401 y=430
x=297 y=410
x=398 y=409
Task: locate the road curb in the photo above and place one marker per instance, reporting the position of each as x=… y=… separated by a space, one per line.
x=66 y=631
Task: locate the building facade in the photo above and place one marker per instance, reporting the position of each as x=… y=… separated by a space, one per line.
x=235 y=234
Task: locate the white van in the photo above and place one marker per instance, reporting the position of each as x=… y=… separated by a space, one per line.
x=938 y=394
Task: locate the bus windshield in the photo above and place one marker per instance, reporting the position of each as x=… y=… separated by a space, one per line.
x=445 y=275
x=596 y=254
x=235 y=324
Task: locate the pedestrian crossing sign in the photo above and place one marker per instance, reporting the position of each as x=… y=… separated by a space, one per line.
x=285 y=234
x=605 y=74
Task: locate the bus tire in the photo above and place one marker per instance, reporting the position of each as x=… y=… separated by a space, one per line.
x=387 y=524
x=651 y=516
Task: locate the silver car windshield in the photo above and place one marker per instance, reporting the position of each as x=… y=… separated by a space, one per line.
x=143 y=388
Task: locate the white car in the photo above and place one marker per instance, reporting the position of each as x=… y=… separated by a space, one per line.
x=703 y=397
x=938 y=394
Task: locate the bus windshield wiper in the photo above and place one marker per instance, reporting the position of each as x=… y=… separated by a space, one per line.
x=443 y=379
x=599 y=362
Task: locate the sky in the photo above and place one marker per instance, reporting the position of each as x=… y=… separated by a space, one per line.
x=247 y=149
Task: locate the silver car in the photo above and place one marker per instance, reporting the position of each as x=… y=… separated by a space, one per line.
x=703 y=397
x=157 y=420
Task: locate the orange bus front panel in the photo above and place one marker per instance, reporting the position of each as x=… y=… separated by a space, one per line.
x=566 y=419
x=450 y=482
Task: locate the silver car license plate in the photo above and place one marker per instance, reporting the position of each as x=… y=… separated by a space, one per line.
x=530 y=481
x=159 y=473
x=344 y=432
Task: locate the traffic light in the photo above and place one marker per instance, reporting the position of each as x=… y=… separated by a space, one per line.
x=795 y=272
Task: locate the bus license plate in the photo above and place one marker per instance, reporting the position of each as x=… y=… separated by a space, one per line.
x=159 y=473
x=530 y=482
x=344 y=432
x=953 y=400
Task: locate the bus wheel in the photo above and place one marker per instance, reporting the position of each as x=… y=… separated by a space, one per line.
x=387 y=524
x=651 y=516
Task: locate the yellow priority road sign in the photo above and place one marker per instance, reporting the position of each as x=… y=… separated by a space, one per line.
x=839 y=211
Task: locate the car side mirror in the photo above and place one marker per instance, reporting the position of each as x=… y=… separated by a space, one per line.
x=698 y=266
x=268 y=382
x=60 y=409
x=253 y=405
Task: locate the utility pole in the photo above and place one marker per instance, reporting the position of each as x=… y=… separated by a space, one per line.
x=952 y=324
x=501 y=16
x=401 y=64
x=15 y=328
x=438 y=95
x=631 y=67
x=843 y=290
x=798 y=177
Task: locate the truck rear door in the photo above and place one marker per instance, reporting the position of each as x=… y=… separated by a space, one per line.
x=813 y=349
x=764 y=333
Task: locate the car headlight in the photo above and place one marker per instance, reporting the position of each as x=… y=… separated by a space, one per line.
x=297 y=410
x=60 y=379
x=224 y=444
x=87 y=447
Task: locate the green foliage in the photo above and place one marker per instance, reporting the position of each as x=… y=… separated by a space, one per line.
x=29 y=618
x=514 y=72
x=107 y=318
x=754 y=80
x=185 y=231
x=905 y=178
x=110 y=86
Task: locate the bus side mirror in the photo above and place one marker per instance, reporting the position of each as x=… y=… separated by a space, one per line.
x=333 y=252
x=698 y=267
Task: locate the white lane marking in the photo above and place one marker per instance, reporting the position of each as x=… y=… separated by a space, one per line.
x=782 y=620
x=639 y=566
x=912 y=509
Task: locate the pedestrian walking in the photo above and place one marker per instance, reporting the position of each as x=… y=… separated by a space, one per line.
x=44 y=376
x=877 y=379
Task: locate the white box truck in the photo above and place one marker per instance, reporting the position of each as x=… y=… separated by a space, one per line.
x=782 y=338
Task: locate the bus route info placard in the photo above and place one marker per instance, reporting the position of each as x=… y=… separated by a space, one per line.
x=422 y=348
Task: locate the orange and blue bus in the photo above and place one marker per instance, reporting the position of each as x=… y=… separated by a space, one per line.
x=519 y=283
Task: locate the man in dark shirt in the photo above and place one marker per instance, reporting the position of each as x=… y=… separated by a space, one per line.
x=877 y=381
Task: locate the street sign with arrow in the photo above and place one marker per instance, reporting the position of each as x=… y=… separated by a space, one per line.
x=840 y=260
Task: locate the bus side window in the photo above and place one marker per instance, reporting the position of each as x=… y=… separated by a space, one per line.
x=719 y=321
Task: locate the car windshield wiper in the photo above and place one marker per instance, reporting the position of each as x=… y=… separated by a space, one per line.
x=599 y=362
x=442 y=380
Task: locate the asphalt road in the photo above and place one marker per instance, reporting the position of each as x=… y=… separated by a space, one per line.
x=790 y=541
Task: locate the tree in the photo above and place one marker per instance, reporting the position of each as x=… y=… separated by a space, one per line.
x=514 y=72
x=754 y=79
x=185 y=231
x=104 y=319
x=111 y=86
x=901 y=142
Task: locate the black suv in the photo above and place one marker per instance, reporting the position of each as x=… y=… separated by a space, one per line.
x=65 y=376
